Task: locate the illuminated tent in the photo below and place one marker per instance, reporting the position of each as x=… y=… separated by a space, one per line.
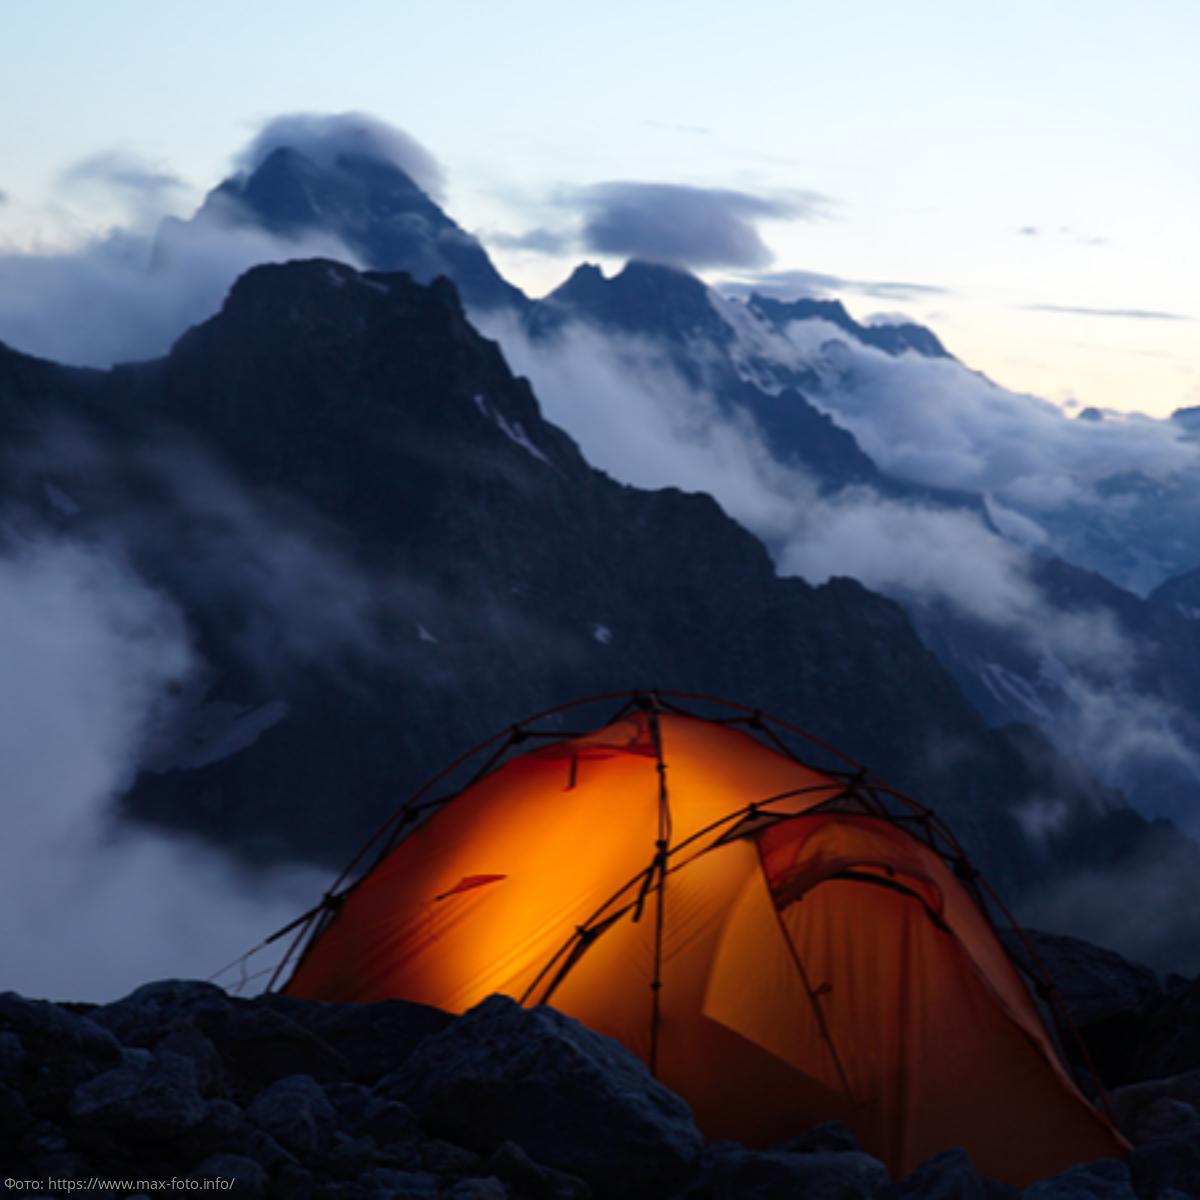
x=782 y=945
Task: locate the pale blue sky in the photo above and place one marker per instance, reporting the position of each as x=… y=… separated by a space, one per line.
x=937 y=130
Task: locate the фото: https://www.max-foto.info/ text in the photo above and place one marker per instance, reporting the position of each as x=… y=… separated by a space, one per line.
x=121 y=1187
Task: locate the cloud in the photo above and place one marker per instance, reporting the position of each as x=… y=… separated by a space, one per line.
x=1064 y=233
x=792 y=284
x=674 y=127
x=937 y=423
x=1129 y=314
x=139 y=184
x=5 y=198
x=275 y=575
x=324 y=137
x=108 y=300
x=536 y=241
x=685 y=226
x=92 y=660
x=1144 y=908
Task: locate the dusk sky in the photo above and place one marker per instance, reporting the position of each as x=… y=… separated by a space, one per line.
x=1022 y=177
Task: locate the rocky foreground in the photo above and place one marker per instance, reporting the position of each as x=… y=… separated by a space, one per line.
x=291 y=1098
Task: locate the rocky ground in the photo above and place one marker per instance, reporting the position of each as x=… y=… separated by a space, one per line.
x=290 y=1098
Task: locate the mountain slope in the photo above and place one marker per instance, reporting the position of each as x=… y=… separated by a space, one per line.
x=368 y=204
x=493 y=571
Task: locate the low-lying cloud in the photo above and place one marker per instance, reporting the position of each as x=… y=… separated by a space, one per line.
x=935 y=422
x=125 y=296
x=685 y=226
x=142 y=187
x=789 y=284
x=91 y=660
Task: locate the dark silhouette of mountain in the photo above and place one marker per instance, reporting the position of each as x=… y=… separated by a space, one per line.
x=1182 y=593
x=890 y=338
x=643 y=299
x=502 y=575
x=371 y=206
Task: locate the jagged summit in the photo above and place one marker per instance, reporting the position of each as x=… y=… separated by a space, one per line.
x=890 y=338
x=369 y=205
x=644 y=298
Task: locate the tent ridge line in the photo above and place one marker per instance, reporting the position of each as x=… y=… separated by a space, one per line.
x=662 y=853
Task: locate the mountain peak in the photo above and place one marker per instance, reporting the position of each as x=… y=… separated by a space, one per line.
x=891 y=337
x=365 y=202
x=644 y=298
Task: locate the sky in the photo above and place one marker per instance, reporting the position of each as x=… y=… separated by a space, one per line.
x=1022 y=177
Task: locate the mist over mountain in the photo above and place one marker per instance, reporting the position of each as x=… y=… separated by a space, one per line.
x=362 y=543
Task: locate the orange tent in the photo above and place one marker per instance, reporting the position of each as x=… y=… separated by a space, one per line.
x=782 y=945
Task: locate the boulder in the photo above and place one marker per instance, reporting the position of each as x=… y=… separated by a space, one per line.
x=1105 y=996
x=1131 y=1103
x=1166 y=1164
x=1170 y=1040
x=531 y=1179
x=261 y=1045
x=154 y=1009
x=1103 y=1180
x=12 y=1055
x=383 y=1183
x=829 y=1135
x=373 y=1039
x=571 y=1098
x=49 y=1031
x=364 y=1114
x=248 y=1177
x=149 y=1098
x=949 y=1175
x=731 y=1172
x=1168 y=1118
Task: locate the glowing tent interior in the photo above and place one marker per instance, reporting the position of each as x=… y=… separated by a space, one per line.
x=782 y=945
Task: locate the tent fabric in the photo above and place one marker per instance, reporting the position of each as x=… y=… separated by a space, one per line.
x=777 y=949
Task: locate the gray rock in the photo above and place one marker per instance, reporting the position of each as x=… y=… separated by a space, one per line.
x=949 y=1176
x=1103 y=1180
x=146 y=1099
x=1095 y=984
x=188 y=1041
x=573 y=1099
x=386 y=1184
x=260 y=1045
x=444 y=1158
x=531 y=1179
x=1131 y=1102
x=479 y=1189
x=145 y=1014
x=12 y=1055
x=364 y=1114
x=730 y=1172
x=829 y=1135
x=1166 y=1164
x=1168 y=1118
x=1171 y=1037
x=15 y=1118
x=225 y=1129
x=43 y=1026
x=373 y=1039
x=296 y=1112
x=249 y=1177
